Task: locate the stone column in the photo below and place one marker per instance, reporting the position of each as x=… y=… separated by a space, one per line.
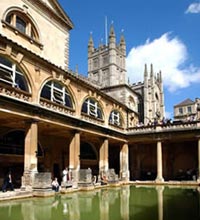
x=124 y=202
x=124 y=163
x=74 y=157
x=30 y=154
x=159 y=177
x=103 y=157
x=159 y=190
x=198 y=177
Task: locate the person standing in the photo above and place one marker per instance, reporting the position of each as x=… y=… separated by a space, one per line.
x=7 y=183
x=65 y=176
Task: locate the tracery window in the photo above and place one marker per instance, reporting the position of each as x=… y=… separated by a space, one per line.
x=91 y=107
x=58 y=93
x=115 y=118
x=10 y=74
x=22 y=23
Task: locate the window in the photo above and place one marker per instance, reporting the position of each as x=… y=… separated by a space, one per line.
x=115 y=118
x=56 y=92
x=10 y=74
x=105 y=59
x=91 y=107
x=95 y=61
x=22 y=23
x=189 y=109
x=180 y=111
x=156 y=95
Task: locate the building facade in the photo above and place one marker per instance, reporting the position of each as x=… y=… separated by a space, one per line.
x=187 y=110
x=52 y=118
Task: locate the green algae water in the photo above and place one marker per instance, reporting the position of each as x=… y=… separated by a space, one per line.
x=121 y=203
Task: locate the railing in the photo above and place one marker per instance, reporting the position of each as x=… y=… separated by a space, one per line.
x=89 y=118
x=166 y=127
x=15 y=93
x=56 y=107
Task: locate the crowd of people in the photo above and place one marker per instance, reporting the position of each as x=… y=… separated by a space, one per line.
x=165 y=121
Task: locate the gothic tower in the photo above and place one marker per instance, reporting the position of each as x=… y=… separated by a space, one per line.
x=152 y=95
x=107 y=63
x=107 y=69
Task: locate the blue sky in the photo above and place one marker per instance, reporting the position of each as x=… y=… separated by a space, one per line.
x=165 y=33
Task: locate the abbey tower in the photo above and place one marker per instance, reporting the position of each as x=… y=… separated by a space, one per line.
x=107 y=69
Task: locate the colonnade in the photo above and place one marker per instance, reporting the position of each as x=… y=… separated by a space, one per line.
x=31 y=160
x=159 y=177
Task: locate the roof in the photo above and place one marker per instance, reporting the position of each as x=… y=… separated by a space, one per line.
x=53 y=7
x=185 y=103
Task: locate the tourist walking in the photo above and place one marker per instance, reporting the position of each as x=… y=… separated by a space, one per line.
x=7 y=183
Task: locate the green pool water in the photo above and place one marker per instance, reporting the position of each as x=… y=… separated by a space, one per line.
x=123 y=203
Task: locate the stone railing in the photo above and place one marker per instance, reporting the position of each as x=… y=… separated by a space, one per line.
x=86 y=117
x=15 y=93
x=56 y=107
x=166 y=127
x=115 y=127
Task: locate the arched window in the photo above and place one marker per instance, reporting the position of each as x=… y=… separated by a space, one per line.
x=91 y=107
x=22 y=23
x=56 y=92
x=10 y=74
x=115 y=118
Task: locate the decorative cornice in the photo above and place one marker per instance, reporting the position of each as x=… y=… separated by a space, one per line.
x=71 y=75
x=62 y=17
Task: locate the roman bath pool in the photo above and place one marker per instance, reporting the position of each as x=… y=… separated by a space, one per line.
x=117 y=203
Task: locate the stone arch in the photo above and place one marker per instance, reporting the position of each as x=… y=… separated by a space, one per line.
x=89 y=157
x=25 y=16
x=114 y=120
x=13 y=61
x=85 y=108
x=68 y=94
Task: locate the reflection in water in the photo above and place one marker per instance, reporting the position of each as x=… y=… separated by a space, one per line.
x=121 y=203
x=159 y=190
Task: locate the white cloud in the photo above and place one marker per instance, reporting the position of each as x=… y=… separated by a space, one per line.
x=167 y=55
x=193 y=8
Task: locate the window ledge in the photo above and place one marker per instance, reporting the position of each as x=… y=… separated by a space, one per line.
x=18 y=32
